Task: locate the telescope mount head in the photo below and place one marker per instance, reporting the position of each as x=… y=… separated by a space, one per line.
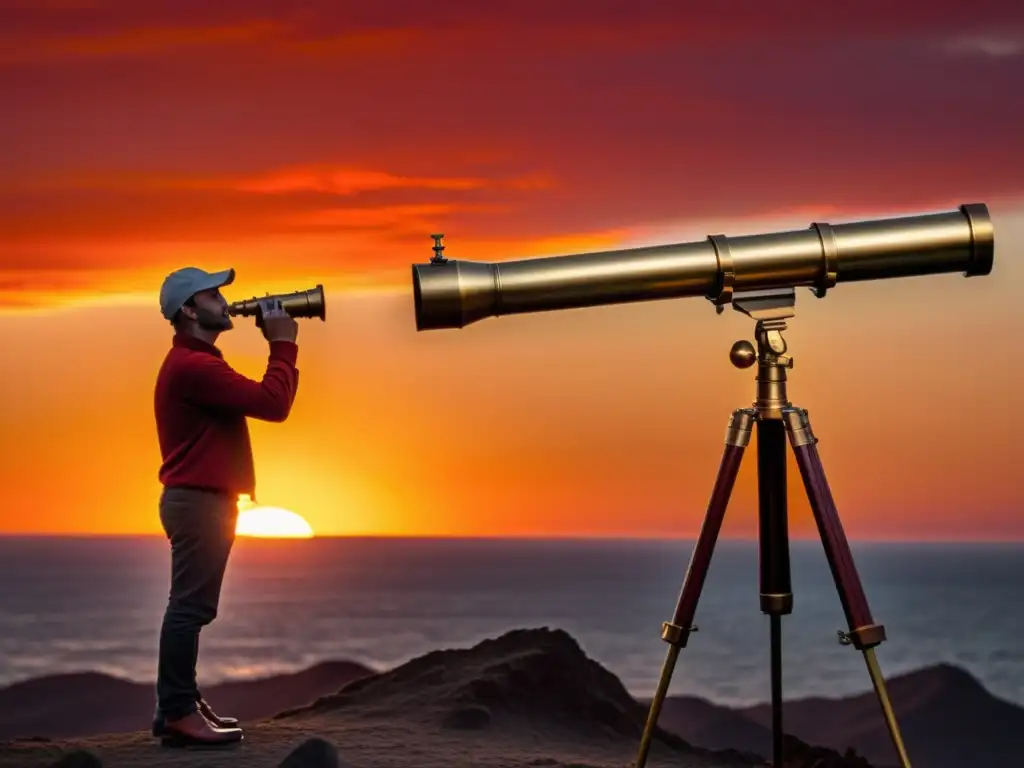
x=770 y=308
x=770 y=304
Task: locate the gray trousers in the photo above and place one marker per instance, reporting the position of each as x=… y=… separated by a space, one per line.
x=200 y=526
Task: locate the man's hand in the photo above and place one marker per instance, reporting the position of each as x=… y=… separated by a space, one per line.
x=278 y=325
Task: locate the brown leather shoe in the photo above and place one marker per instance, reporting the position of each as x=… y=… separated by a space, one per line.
x=213 y=717
x=196 y=732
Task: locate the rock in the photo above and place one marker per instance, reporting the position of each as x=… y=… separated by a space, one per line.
x=467 y=718
x=313 y=753
x=799 y=754
x=79 y=758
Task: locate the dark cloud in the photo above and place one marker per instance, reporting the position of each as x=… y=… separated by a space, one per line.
x=713 y=23
x=620 y=115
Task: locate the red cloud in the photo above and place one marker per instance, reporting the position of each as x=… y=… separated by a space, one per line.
x=315 y=136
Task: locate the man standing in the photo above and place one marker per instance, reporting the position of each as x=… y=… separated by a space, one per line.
x=201 y=406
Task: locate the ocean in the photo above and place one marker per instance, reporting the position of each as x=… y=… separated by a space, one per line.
x=95 y=604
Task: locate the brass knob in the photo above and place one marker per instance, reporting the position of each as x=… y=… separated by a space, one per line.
x=743 y=354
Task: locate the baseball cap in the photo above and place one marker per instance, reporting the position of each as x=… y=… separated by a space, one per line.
x=184 y=283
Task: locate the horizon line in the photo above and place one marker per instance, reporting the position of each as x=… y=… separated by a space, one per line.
x=579 y=537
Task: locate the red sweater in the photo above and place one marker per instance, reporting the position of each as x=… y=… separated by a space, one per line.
x=201 y=408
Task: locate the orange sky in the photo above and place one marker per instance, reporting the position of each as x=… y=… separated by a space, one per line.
x=307 y=147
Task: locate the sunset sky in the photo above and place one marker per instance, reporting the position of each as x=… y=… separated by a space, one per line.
x=324 y=145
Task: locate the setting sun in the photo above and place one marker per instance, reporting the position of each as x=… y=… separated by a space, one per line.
x=270 y=522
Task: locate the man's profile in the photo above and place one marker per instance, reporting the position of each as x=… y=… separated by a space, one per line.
x=201 y=405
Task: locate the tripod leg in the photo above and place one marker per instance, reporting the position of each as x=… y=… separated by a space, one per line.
x=864 y=633
x=776 y=586
x=677 y=631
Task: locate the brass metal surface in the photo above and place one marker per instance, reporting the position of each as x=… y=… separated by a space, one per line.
x=878 y=681
x=771 y=308
x=650 y=726
x=863 y=638
x=451 y=293
x=743 y=354
x=674 y=634
x=777 y=604
x=771 y=372
x=308 y=303
x=798 y=425
x=741 y=426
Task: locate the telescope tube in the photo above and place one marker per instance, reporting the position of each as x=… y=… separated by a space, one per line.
x=452 y=294
x=308 y=303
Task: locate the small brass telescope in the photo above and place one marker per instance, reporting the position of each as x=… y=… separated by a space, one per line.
x=453 y=294
x=758 y=275
x=308 y=303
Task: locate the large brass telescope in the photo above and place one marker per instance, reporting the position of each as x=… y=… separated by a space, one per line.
x=452 y=294
x=758 y=275
x=308 y=303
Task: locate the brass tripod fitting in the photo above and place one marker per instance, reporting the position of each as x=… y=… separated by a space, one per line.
x=799 y=426
x=741 y=426
x=675 y=635
x=863 y=638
